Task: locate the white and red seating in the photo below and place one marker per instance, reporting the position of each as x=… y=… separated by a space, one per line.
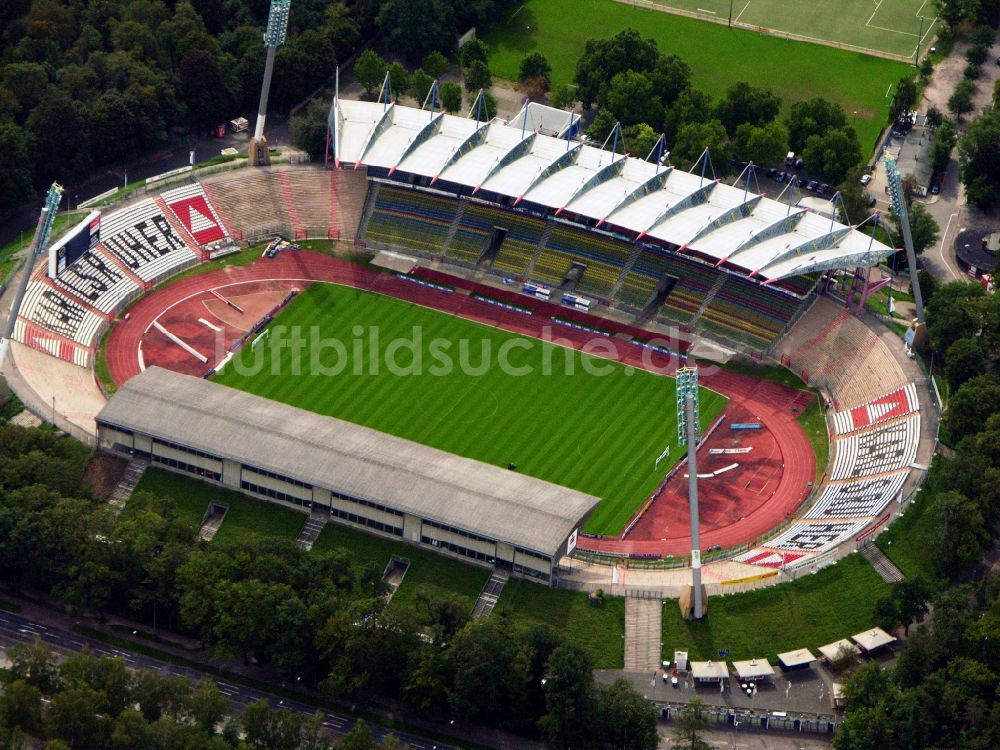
x=867 y=497
x=195 y=211
x=896 y=404
x=97 y=280
x=143 y=239
x=886 y=448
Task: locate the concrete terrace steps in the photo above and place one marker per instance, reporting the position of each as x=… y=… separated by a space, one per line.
x=490 y=594
x=313 y=526
x=882 y=564
x=643 y=622
x=123 y=491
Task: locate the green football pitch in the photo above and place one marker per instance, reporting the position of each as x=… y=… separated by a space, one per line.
x=881 y=26
x=719 y=57
x=556 y=414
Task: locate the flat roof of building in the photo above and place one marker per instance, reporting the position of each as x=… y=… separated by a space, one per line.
x=350 y=459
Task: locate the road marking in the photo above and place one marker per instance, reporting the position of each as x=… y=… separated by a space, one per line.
x=736 y=20
x=944 y=238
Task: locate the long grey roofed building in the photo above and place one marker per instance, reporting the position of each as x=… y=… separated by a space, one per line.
x=342 y=457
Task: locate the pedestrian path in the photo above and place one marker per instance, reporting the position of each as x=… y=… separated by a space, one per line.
x=882 y=564
x=490 y=593
x=313 y=526
x=642 y=633
x=133 y=473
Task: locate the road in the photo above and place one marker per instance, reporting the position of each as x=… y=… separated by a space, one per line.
x=15 y=628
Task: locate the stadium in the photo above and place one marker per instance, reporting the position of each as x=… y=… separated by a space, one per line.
x=520 y=234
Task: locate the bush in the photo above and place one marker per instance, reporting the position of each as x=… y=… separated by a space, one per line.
x=478 y=76
x=972 y=72
x=977 y=54
x=435 y=64
x=451 y=96
x=983 y=36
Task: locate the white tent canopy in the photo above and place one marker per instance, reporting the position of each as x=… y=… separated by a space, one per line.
x=763 y=238
x=753 y=669
x=709 y=671
x=872 y=640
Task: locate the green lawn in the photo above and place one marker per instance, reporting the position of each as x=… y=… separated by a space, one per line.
x=834 y=603
x=600 y=630
x=812 y=420
x=718 y=56
x=890 y=27
x=911 y=540
x=440 y=576
x=578 y=421
x=246 y=518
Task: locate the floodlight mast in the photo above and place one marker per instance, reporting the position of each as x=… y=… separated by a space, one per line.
x=899 y=206
x=687 y=434
x=41 y=241
x=274 y=37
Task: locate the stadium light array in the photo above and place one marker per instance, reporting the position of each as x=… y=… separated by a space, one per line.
x=687 y=434
x=899 y=207
x=277 y=23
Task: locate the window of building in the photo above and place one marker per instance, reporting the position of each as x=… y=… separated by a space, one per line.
x=196 y=470
x=369 y=522
x=276 y=494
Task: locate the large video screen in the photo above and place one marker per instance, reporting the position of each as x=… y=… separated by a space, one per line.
x=74 y=244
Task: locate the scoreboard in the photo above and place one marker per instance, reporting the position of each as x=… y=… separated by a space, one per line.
x=74 y=244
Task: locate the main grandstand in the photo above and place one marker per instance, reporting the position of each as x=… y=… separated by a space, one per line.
x=550 y=228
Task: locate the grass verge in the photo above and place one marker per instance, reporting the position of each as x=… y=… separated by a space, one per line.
x=246 y=519
x=910 y=541
x=834 y=603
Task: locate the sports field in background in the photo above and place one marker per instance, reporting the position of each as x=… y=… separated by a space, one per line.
x=718 y=56
x=888 y=26
x=599 y=434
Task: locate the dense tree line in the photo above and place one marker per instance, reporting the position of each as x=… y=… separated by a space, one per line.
x=91 y=703
x=944 y=688
x=319 y=616
x=649 y=93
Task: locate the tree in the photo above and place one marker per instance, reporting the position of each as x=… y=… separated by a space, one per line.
x=435 y=64
x=964 y=359
x=420 y=85
x=563 y=96
x=904 y=100
x=415 y=28
x=472 y=50
x=671 y=76
x=73 y=716
x=534 y=66
x=399 y=79
x=923 y=228
x=203 y=88
x=21 y=706
x=15 y=170
x=744 y=103
x=602 y=59
x=906 y=603
x=763 y=145
x=945 y=137
x=490 y=670
x=953 y=314
x=451 y=96
x=206 y=705
x=979 y=160
x=309 y=128
x=692 y=106
x=833 y=154
x=34 y=663
x=629 y=96
x=971 y=405
x=641 y=140
x=627 y=719
x=961 y=531
x=977 y=54
x=569 y=699
x=370 y=70
x=478 y=76
x=694 y=138
x=934 y=118
x=689 y=725
x=960 y=101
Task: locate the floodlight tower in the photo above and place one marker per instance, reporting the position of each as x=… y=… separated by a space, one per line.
x=274 y=37
x=692 y=605
x=38 y=245
x=899 y=206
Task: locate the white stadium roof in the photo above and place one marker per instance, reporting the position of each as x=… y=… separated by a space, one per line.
x=761 y=237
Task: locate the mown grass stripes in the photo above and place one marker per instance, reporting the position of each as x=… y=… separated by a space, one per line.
x=597 y=431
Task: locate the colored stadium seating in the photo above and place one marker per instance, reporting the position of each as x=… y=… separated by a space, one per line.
x=97 y=280
x=52 y=311
x=891 y=405
x=249 y=204
x=887 y=448
x=142 y=238
x=694 y=280
x=195 y=212
x=411 y=219
x=523 y=235
x=748 y=313
x=603 y=256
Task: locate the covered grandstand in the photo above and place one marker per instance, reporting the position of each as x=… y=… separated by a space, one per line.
x=366 y=478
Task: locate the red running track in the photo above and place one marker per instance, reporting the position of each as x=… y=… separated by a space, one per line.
x=736 y=507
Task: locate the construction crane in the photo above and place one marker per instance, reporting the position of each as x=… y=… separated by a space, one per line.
x=38 y=246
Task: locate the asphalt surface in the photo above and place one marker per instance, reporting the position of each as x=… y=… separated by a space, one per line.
x=15 y=629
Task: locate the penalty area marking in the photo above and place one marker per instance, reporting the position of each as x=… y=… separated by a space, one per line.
x=735 y=20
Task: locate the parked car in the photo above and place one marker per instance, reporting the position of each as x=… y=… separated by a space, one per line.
x=772 y=172
x=824 y=189
x=865 y=179
x=935 y=189
x=812 y=185
x=780 y=177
